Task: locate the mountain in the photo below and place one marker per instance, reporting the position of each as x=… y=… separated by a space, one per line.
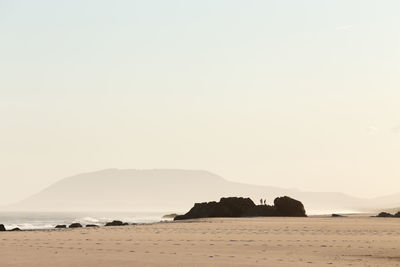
x=174 y=190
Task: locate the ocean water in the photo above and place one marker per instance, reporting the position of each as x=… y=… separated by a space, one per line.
x=48 y=220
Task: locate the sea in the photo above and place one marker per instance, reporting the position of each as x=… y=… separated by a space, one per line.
x=48 y=220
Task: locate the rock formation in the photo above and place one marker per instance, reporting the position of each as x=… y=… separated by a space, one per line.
x=2 y=228
x=244 y=207
x=61 y=226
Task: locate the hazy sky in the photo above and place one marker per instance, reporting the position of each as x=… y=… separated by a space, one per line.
x=298 y=94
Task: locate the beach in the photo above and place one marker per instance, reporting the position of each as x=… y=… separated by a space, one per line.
x=313 y=241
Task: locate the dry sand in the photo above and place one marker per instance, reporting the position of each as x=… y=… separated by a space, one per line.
x=351 y=241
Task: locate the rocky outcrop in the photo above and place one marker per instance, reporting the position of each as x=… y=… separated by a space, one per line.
x=75 y=225
x=286 y=206
x=2 y=228
x=61 y=226
x=15 y=229
x=116 y=223
x=244 y=207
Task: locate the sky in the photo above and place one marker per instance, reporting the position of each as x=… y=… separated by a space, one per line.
x=295 y=94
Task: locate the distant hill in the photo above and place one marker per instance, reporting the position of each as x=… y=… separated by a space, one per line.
x=174 y=190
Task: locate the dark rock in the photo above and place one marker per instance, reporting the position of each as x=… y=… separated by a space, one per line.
x=2 y=228
x=115 y=223
x=75 y=225
x=260 y=210
x=337 y=215
x=61 y=226
x=92 y=225
x=397 y=215
x=286 y=206
x=227 y=207
x=237 y=206
x=15 y=229
x=385 y=215
x=244 y=207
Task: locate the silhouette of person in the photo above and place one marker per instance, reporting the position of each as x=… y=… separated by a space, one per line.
x=265 y=201
x=261 y=201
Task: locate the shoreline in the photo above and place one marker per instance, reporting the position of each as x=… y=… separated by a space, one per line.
x=256 y=241
x=343 y=215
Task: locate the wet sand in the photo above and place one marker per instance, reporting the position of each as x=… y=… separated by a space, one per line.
x=350 y=241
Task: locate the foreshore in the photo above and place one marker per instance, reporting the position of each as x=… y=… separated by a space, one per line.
x=274 y=241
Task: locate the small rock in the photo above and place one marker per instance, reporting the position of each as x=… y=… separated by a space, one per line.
x=115 y=223
x=92 y=225
x=60 y=226
x=15 y=229
x=75 y=225
x=337 y=215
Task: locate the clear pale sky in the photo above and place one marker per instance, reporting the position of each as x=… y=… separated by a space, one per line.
x=297 y=94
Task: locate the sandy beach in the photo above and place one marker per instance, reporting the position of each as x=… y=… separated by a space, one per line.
x=350 y=241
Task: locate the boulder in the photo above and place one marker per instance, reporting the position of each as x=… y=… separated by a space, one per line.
x=286 y=206
x=385 y=215
x=116 y=223
x=75 y=225
x=397 y=215
x=15 y=229
x=226 y=207
x=2 y=228
x=61 y=226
